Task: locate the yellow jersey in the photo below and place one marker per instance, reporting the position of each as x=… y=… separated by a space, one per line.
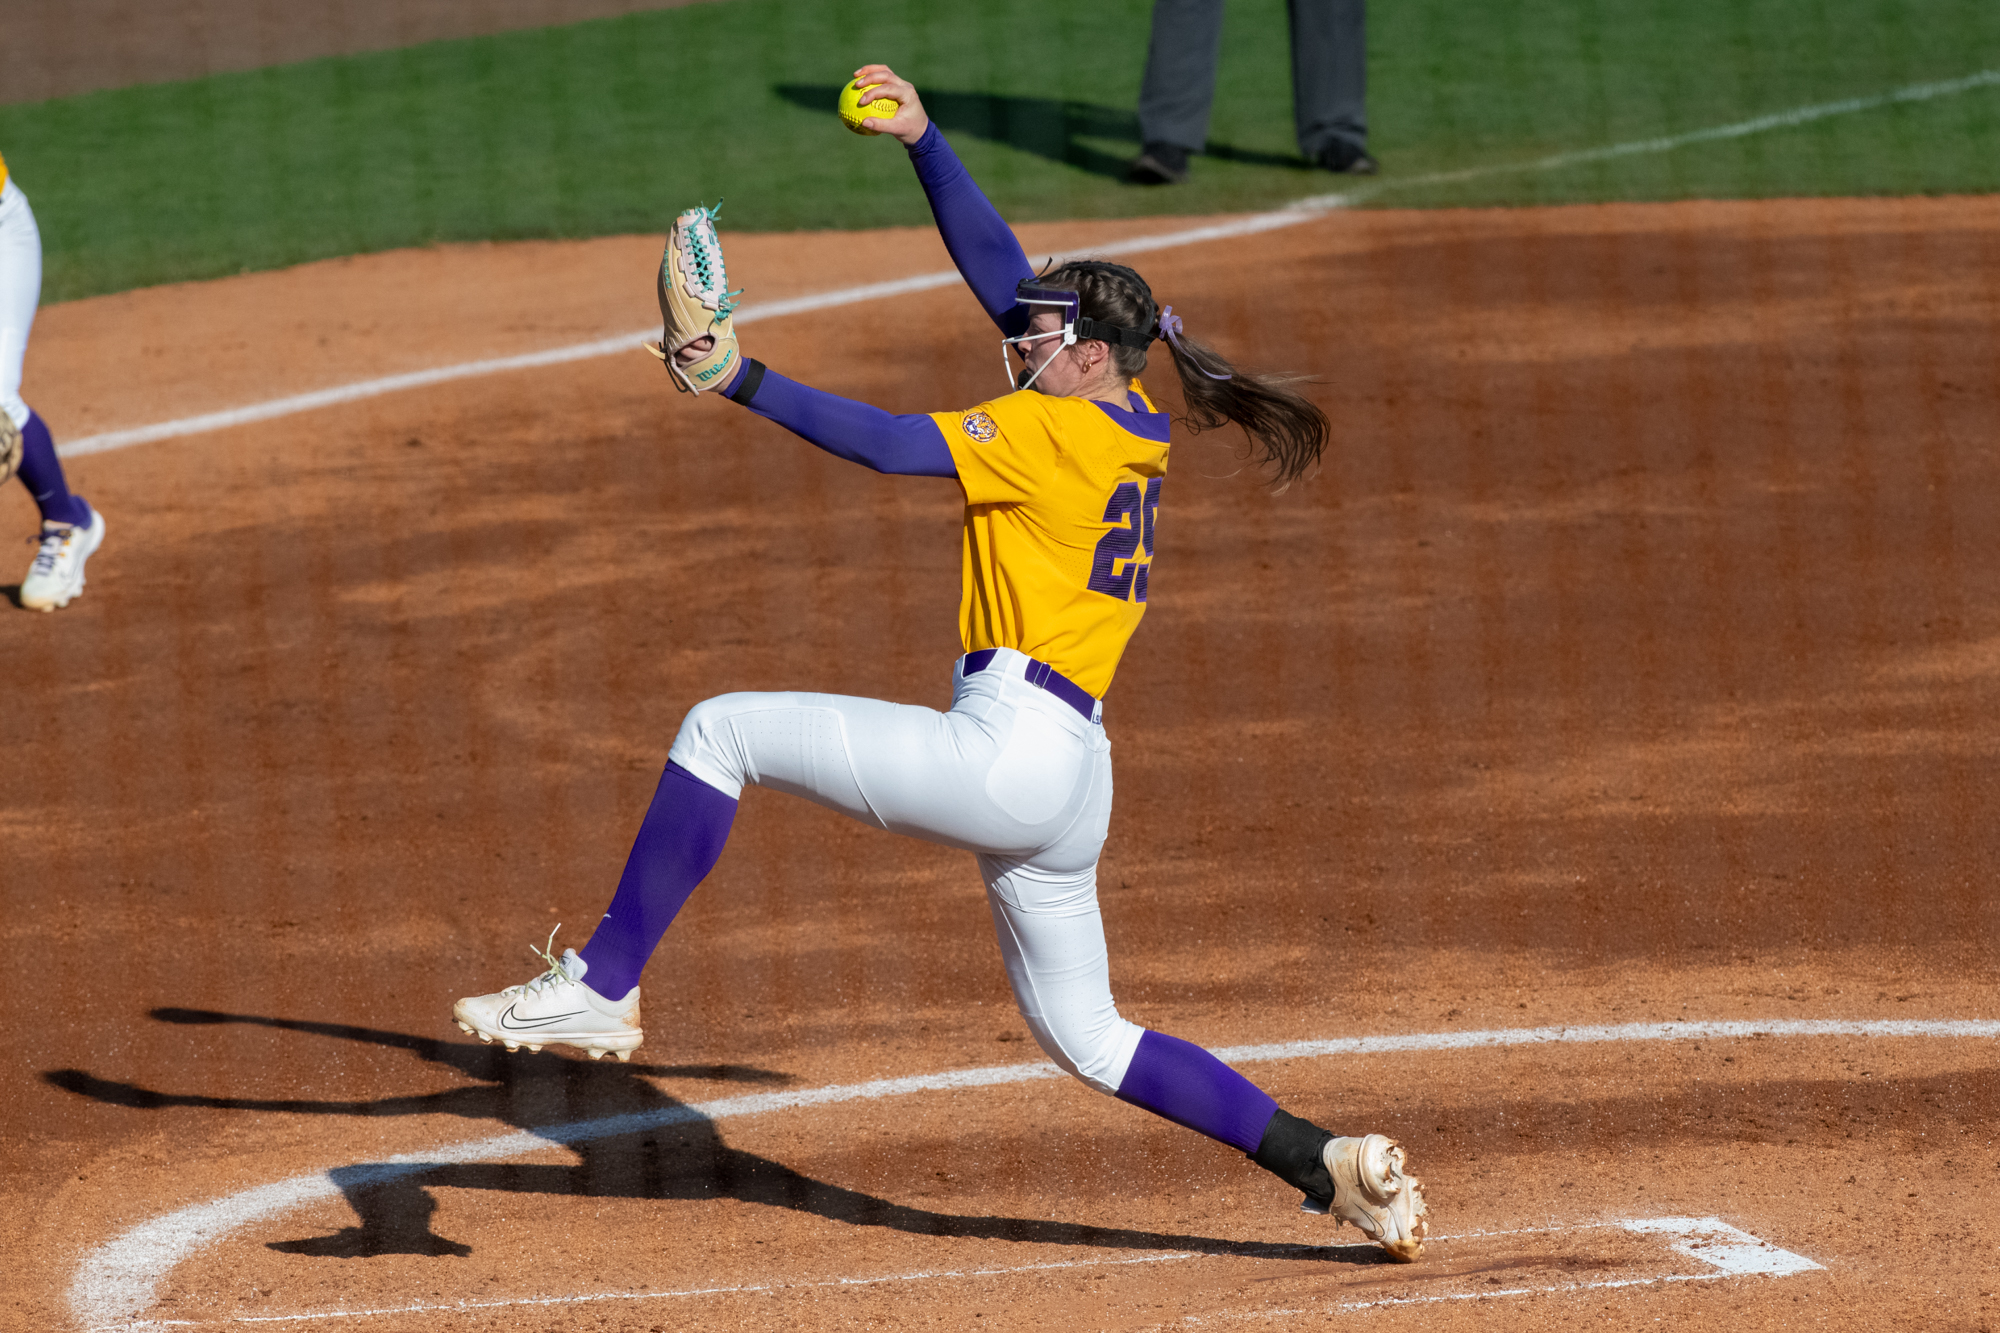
x=3 y=173
x=1061 y=496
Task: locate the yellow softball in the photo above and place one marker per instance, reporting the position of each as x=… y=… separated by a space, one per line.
x=852 y=112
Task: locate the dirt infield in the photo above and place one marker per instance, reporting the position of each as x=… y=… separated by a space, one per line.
x=1636 y=659
x=56 y=48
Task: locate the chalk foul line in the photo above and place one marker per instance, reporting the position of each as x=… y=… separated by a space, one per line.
x=747 y=1289
x=1728 y=1252
x=1293 y=214
x=119 y=1279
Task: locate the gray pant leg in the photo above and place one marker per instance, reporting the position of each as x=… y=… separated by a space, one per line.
x=1329 y=72
x=1179 y=87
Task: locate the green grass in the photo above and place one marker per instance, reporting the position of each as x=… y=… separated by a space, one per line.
x=613 y=126
x=1560 y=76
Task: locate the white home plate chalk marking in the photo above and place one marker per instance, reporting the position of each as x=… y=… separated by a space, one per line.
x=1302 y=210
x=117 y=1281
x=1730 y=1252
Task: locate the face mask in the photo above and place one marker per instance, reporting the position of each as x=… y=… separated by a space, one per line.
x=1036 y=297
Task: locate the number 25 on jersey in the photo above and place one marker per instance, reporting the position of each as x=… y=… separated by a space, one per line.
x=1118 y=570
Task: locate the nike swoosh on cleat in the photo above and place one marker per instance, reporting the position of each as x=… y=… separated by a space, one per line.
x=507 y=1020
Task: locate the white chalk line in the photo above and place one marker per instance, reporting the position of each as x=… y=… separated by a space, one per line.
x=1674 y=1031
x=924 y=1275
x=928 y=1275
x=118 y=1279
x=1291 y=215
x=1733 y=1253
x=1780 y=120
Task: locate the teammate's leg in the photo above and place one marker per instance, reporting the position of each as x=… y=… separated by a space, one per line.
x=71 y=530
x=42 y=472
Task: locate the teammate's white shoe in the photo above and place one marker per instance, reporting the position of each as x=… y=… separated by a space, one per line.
x=56 y=576
x=555 y=1008
x=1371 y=1190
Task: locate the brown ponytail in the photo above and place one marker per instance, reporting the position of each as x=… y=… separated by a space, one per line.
x=1287 y=431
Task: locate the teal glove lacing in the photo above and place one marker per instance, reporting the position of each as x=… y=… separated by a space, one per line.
x=705 y=250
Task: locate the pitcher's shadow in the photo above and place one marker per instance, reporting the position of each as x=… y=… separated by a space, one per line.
x=1049 y=127
x=678 y=1157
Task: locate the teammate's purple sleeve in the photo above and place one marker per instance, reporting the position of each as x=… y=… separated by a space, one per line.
x=983 y=246
x=907 y=446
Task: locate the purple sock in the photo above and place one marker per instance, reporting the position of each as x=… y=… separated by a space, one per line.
x=676 y=848
x=1179 y=1080
x=41 y=472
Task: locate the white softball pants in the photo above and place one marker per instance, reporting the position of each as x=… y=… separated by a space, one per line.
x=1012 y=774
x=20 y=293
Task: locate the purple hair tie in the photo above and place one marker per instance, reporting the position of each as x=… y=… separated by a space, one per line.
x=1170 y=329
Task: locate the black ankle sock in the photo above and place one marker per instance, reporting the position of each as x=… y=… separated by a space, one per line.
x=1290 y=1150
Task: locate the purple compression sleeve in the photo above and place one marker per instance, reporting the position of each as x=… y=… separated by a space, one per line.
x=908 y=446
x=988 y=256
x=677 y=846
x=1187 y=1085
x=42 y=474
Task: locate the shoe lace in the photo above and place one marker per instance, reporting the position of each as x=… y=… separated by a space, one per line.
x=52 y=543
x=555 y=974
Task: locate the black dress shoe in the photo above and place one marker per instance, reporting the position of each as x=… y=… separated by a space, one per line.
x=1161 y=164
x=1348 y=159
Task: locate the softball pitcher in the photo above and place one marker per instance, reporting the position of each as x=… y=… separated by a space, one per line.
x=71 y=530
x=1062 y=479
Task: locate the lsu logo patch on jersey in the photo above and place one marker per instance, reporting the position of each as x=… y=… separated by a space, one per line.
x=979 y=426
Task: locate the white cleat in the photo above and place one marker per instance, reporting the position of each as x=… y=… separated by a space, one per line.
x=56 y=575
x=556 y=1008
x=1372 y=1190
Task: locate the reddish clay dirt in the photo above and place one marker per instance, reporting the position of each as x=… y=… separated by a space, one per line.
x=1635 y=657
x=53 y=48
